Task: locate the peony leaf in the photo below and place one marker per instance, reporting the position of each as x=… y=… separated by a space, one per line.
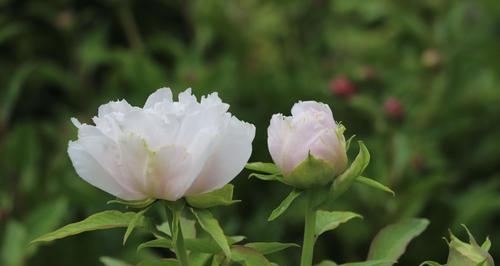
x=367 y=263
x=136 y=204
x=108 y=261
x=344 y=181
x=212 y=227
x=327 y=263
x=374 y=184
x=268 y=177
x=157 y=243
x=133 y=223
x=270 y=247
x=430 y=263
x=159 y=262
x=390 y=243
x=249 y=256
x=219 y=197
x=268 y=168
x=284 y=205
x=329 y=220
x=98 y=221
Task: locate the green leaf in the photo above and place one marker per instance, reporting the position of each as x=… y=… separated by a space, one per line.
x=329 y=220
x=284 y=204
x=219 y=197
x=269 y=168
x=108 y=261
x=156 y=243
x=390 y=243
x=268 y=177
x=133 y=223
x=136 y=204
x=249 y=256
x=344 y=181
x=374 y=184
x=430 y=263
x=199 y=259
x=159 y=262
x=327 y=263
x=98 y=221
x=270 y=247
x=212 y=227
x=367 y=263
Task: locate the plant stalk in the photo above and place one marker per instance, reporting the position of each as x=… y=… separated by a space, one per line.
x=309 y=236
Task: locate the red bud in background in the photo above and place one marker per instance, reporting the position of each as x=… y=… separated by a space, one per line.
x=342 y=86
x=393 y=108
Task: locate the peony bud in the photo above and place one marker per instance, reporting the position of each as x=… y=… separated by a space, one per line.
x=469 y=254
x=165 y=150
x=342 y=86
x=308 y=147
x=393 y=108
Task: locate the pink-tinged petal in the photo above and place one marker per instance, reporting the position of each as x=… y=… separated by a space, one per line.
x=231 y=152
x=277 y=137
x=170 y=171
x=161 y=95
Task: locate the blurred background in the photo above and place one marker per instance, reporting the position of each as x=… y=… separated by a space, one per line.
x=418 y=81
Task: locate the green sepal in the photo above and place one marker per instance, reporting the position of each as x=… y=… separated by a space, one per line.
x=310 y=173
x=284 y=204
x=203 y=245
x=342 y=183
x=136 y=204
x=219 y=197
x=268 y=168
x=374 y=184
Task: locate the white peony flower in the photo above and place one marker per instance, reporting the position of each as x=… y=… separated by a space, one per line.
x=311 y=130
x=166 y=150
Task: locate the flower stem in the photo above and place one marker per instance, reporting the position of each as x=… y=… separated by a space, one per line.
x=309 y=236
x=180 y=249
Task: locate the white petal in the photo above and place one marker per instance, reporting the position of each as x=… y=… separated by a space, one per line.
x=232 y=151
x=91 y=170
x=151 y=127
x=314 y=110
x=114 y=107
x=161 y=95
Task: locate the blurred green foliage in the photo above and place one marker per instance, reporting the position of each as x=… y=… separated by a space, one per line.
x=436 y=142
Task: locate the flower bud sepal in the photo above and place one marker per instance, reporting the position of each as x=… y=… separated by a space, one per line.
x=310 y=173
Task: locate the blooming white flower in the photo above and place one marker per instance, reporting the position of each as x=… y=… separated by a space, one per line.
x=311 y=130
x=166 y=150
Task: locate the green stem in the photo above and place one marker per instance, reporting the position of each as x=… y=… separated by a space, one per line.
x=309 y=236
x=180 y=249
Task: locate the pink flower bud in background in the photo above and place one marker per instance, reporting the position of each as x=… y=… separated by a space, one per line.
x=393 y=108
x=342 y=86
x=311 y=130
x=166 y=150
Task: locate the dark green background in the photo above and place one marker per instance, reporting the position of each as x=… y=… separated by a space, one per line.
x=440 y=59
